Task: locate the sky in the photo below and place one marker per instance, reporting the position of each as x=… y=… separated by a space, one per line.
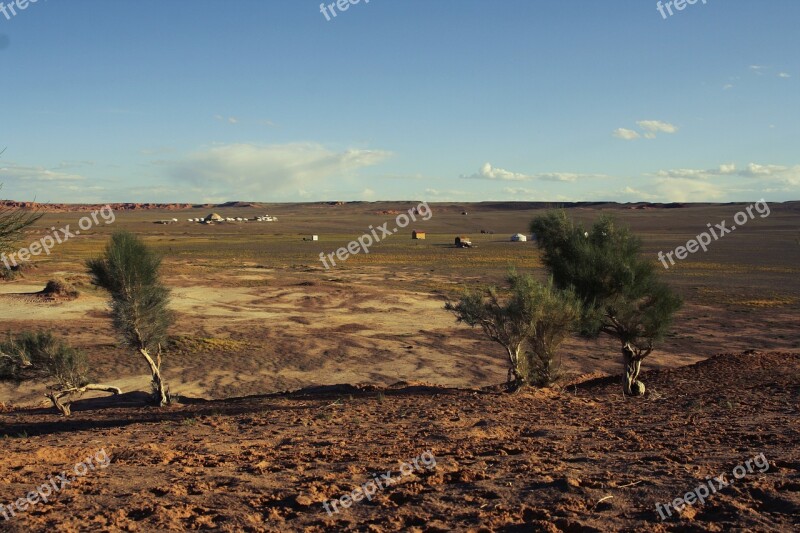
x=435 y=100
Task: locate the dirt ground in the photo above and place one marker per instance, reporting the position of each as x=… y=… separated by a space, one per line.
x=257 y=314
x=580 y=459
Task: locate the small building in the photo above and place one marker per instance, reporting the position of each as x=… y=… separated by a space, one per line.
x=315 y=237
x=518 y=237
x=214 y=217
x=463 y=242
x=418 y=235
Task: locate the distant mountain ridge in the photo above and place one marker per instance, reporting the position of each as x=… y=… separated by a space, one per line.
x=123 y=206
x=497 y=205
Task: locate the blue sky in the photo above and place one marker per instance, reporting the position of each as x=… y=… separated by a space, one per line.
x=267 y=100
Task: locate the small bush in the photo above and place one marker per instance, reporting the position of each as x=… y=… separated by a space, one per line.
x=41 y=355
x=16 y=271
x=58 y=288
x=540 y=370
x=529 y=320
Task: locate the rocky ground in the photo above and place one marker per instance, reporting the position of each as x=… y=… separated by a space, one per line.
x=582 y=458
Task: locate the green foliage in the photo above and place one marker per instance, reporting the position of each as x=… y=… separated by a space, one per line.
x=41 y=356
x=129 y=271
x=530 y=321
x=554 y=315
x=620 y=290
x=12 y=224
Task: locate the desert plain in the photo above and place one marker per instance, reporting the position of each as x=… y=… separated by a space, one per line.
x=294 y=384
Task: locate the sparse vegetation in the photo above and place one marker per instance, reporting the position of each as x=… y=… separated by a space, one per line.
x=620 y=290
x=13 y=222
x=530 y=323
x=129 y=271
x=555 y=315
x=58 y=288
x=10 y=274
x=41 y=356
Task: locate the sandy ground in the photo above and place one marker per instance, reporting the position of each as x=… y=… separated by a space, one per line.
x=295 y=329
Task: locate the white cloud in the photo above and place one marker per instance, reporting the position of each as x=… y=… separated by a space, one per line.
x=521 y=193
x=566 y=176
x=250 y=170
x=688 y=190
x=723 y=170
x=755 y=170
x=784 y=75
x=450 y=193
x=727 y=86
x=649 y=130
x=631 y=193
x=38 y=174
x=769 y=175
x=625 y=134
x=488 y=172
x=657 y=126
x=229 y=120
x=44 y=184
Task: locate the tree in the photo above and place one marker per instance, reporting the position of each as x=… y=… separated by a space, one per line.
x=555 y=314
x=13 y=223
x=41 y=356
x=621 y=293
x=129 y=271
x=532 y=316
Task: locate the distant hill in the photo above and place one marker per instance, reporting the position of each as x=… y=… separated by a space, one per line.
x=387 y=205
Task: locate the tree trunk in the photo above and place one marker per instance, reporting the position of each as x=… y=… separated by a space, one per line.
x=633 y=364
x=515 y=379
x=160 y=395
x=62 y=407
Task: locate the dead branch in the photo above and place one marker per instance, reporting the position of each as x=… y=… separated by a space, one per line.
x=64 y=408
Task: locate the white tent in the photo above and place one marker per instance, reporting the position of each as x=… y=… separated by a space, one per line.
x=518 y=237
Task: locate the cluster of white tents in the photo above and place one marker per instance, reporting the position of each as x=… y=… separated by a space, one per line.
x=214 y=218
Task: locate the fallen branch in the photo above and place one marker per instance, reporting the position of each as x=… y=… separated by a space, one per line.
x=64 y=408
x=601 y=500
